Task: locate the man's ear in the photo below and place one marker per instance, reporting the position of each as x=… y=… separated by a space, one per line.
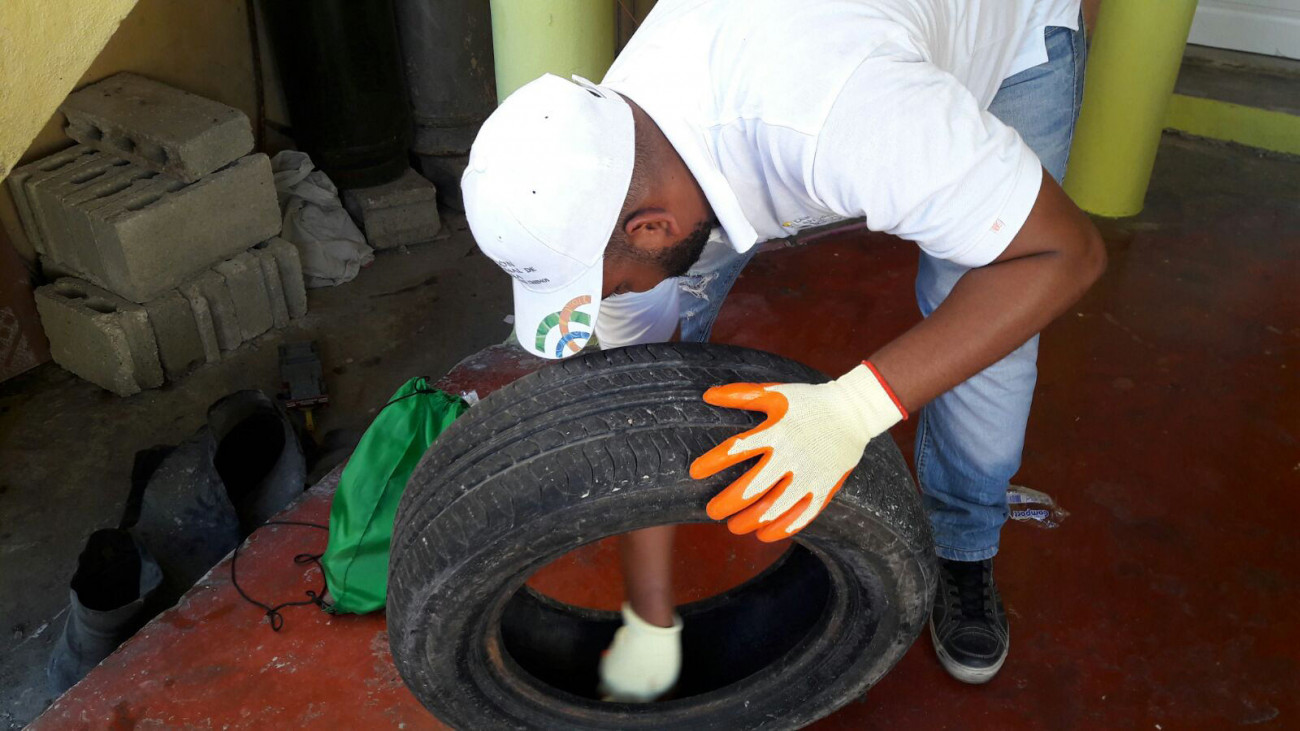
x=652 y=229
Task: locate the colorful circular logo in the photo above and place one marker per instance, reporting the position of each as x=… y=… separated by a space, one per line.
x=563 y=319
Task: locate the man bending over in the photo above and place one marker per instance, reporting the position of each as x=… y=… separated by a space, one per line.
x=628 y=208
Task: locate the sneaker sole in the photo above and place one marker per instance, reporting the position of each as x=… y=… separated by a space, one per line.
x=964 y=673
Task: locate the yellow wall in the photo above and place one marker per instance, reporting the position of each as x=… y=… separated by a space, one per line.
x=44 y=47
x=201 y=46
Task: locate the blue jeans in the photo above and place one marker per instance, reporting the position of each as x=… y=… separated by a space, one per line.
x=969 y=440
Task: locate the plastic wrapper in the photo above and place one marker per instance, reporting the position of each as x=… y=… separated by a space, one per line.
x=1036 y=508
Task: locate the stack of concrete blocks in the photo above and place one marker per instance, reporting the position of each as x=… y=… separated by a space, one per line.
x=161 y=229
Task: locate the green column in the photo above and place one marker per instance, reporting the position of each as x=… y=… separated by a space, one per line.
x=1137 y=47
x=562 y=37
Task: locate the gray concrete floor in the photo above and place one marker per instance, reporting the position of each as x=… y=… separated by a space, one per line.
x=66 y=446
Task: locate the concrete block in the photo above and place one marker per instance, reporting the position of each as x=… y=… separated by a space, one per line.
x=243 y=275
x=289 y=263
x=445 y=172
x=176 y=331
x=209 y=292
x=206 y=328
x=158 y=126
x=37 y=175
x=60 y=203
x=99 y=336
x=139 y=234
x=274 y=288
x=401 y=213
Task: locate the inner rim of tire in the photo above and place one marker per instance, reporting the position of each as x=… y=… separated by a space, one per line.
x=726 y=637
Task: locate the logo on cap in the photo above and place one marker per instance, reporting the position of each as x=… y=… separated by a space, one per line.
x=568 y=315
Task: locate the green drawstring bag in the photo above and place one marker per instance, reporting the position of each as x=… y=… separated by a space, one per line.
x=361 y=519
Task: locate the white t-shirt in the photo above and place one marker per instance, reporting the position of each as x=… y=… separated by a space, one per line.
x=797 y=113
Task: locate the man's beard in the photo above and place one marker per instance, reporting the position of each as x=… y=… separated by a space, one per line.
x=678 y=259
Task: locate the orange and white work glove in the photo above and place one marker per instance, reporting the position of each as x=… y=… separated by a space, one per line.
x=813 y=437
x=643 y=662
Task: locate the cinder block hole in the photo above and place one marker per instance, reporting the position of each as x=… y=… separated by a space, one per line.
x=87 y=177
x=70 y=291
x=125 y=144
x=143 y=202
x=99 y=305
x=112 y=190
x=121 y=163
x=93 y=132
x=155 y=154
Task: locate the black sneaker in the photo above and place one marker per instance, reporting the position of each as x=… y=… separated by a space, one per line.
x=968 y=624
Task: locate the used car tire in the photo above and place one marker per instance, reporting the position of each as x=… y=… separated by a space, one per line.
x=600 y=445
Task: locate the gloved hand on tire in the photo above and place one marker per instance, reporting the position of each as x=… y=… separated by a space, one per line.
x=813 y=437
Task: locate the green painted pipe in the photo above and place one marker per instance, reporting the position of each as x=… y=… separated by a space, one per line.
x=562 y=37
x=1136 y=51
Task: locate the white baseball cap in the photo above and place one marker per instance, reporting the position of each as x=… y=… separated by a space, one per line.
x=545 y=184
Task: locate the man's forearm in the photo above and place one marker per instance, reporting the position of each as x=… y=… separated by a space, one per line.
x=647 y=557
x=994 y=309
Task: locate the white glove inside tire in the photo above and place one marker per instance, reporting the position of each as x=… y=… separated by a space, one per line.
x=643 y=662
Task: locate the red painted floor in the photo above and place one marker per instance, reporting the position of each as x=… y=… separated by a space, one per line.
x=1166 y=421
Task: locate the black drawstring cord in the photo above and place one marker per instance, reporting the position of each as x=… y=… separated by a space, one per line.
x=416 y=392
x=273 y=612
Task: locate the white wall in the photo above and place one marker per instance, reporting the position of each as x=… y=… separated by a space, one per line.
x=1270 y=27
